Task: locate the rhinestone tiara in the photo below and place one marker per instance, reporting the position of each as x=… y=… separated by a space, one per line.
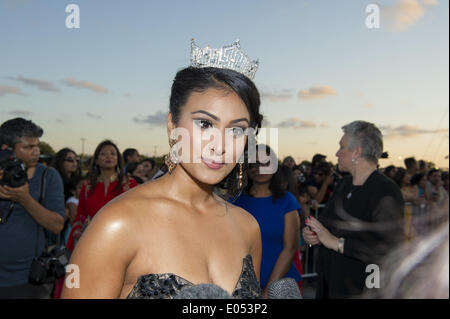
x=228 y=57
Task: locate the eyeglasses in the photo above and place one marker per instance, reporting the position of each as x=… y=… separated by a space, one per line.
x=70 y=160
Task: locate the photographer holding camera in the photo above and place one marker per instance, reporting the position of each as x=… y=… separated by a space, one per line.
x=31 y=199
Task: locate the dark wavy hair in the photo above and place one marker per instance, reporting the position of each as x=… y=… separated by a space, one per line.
x=193 y=79
x=58 y=164
x=276 y=182
x=94 y=170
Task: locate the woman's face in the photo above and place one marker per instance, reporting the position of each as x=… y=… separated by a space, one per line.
x=255 y=175
x=217 y=115
x=147 y=166
x=289 y=162
x=140 y=172
x=107 y=158
x=70 y=163
x=345 y=155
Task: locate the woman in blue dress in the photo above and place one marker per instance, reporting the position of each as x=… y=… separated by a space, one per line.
x=277 y=212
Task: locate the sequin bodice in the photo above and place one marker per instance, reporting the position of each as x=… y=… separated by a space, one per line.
x=168 y=285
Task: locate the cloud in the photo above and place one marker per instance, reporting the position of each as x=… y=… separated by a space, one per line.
x=127 y=94
x=297 y=123
x=158 y=119
x=94 y=116
x=368 y=105
x=325 y=125
x=316 y=92
x=282 y=96
x=20 y=113
x=41 y=84
x=5 y=89
x=430 y=2
x=407 y=131
x=85 y=85
x=404 y=13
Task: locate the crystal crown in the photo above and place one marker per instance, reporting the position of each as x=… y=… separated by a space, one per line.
x=228 y=57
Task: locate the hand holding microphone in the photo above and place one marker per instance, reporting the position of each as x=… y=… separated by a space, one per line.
x=309 y=235
x=323 y=235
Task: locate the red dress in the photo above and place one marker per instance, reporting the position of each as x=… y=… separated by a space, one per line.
x=91 y=201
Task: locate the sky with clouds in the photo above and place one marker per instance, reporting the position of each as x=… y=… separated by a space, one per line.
x=321 y=67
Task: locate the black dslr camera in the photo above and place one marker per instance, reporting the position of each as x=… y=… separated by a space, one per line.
x=49 y=266
x=14 y=171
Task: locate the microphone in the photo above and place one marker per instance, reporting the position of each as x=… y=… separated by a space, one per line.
x=285 y=288
x=203 y=291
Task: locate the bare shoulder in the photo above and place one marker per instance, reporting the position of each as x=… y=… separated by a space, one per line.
x=110 y=244
x=244 y=218
x=112 y=226
x=142 y=198
x=252 y=232
x=120 y=219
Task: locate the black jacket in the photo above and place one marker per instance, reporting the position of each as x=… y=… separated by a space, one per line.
x=370 y=219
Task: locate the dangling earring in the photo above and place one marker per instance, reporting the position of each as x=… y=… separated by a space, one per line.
x=240 y=175
x=171 y=159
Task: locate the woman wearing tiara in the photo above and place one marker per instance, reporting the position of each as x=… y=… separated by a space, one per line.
x=179 y=231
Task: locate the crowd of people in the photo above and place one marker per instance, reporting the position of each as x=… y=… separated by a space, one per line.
x=421 y=184
x=135 y=229
x=302 y=190
x=311 y=182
